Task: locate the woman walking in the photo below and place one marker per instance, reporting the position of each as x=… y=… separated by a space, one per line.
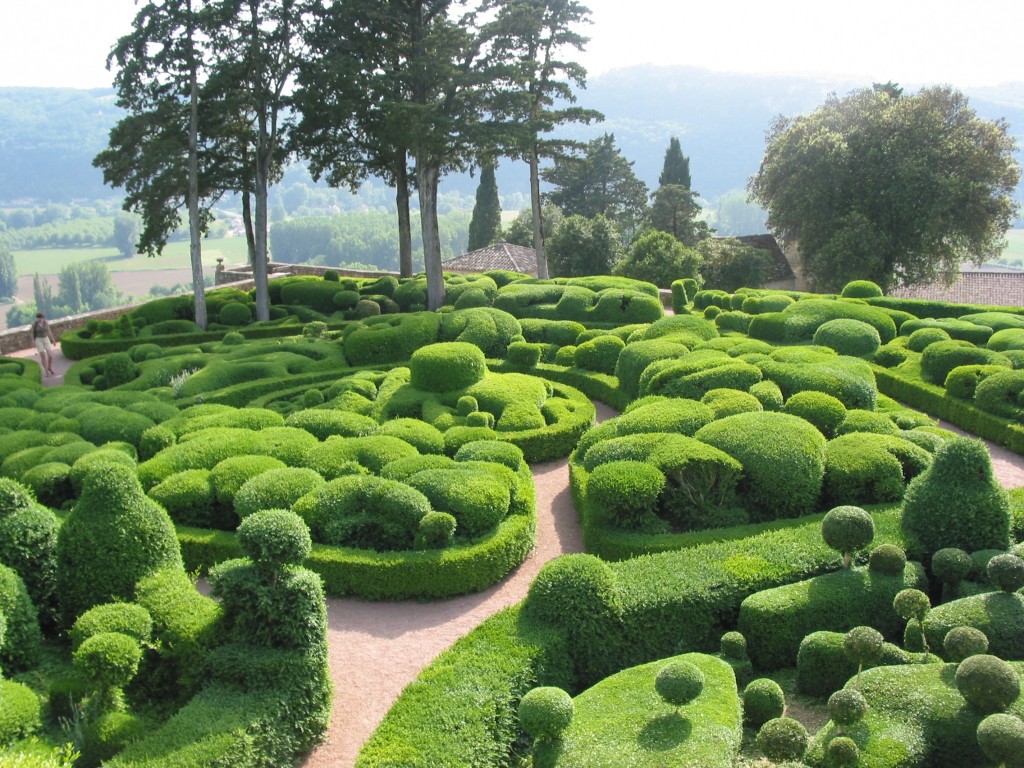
x=42 y=335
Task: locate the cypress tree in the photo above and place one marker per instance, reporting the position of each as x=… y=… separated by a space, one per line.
x=485 y=226
x=676 y=169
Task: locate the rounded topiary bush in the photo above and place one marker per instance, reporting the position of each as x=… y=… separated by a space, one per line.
x=1001 y=738
x=274 y=538
x=861 y=289
x=733 y=645
x=436 y=530
x=888 y=559
x=20 y=712
x=367 y=308
x=113 y=537
x=957 y=502
x=843 y=752
x=782 y=738
x=963 y=642
x=951 y=565
x=848 y=337
x=679 y=682
x=911 y=604
x=920 y=339
x=126 y=618
x=229 y=475
x=1006 y=572
x=847 y=706
x=847 y=529
x=863 y=645
x=109 y=659
x=118 y=369
x=544 y=713
x=497 y=451
x=824 y=411
x=234 y=313
x=763 y=700
x=625 y=492
x=988 y=683
x=599 y=354
x=446 y=366
x=276 y=489
x=524 y=354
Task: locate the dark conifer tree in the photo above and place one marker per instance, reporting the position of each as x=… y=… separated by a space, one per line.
x=485 y=226
x=676 y=169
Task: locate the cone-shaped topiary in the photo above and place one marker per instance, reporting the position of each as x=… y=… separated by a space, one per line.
x=1001 y=738
x=545 y=712
x=957 y=502
x=679 y=683
x=987 y=682
x=113 y=537
x=847 y=529
x=962 y=642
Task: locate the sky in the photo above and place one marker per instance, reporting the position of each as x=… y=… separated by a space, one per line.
x=64 y=43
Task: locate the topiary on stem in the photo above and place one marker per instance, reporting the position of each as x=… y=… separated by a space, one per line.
x=988 y=683
x=863 y=645
x=951 y=565
x=846 y=707
x=843 y=752
x=913 y=605
x=1006 y=572
x=847 y=529
x=679 y=683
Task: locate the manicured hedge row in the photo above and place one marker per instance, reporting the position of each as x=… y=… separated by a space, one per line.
x=455 y=713
x=934 y=400
x=928 y=308
x=370 y=575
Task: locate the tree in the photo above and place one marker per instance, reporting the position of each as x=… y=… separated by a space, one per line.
x=583 y=247
x=42 y=295
x=727 y=264
x=8 y=274
x=600 y=182
x=537 y=32
x=126 y=234
x=675 y=210
x=520 y=231
x=887 y=187
x=485 y=226
x=676 y=169
x=659 y=258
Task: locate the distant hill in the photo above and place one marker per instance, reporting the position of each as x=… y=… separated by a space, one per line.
x=48 y=137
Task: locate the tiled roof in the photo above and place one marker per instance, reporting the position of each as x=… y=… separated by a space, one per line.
x=1001 y=289
x=500 y=255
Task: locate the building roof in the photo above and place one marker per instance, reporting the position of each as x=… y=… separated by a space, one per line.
x=500 y=255
x=1001 y=289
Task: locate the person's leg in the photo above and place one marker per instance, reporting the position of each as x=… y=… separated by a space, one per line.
x=41 y=349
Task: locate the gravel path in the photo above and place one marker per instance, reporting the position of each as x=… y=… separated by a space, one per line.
x=376 y=649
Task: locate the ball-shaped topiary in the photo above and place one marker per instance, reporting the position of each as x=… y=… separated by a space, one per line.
x=951 y=565
x=1001 y=738
x=524 y=354
x=733 y=645
x=843 y=752
x=987 y=682
x=911 y=604
x=544 y=713
x=446 y=366
x=962 y=642
x=1006 y=572
x=847 y=529
x=679 y=683
x=436 y=530
x=919 y=340
x=497 y=451
x=113 y=537
x=847 y=706
x=783 y=739
x=234 y=313
x=888 y=559
x=274 y=538
x=19 y=713
x=625 y=491
x=957 y=502
x=863 y=645
x=276 y=489
x=763 y=700
x=118 y=369
x=819 y=408
x=109 y=659
x=233 y=339
x=126 y=618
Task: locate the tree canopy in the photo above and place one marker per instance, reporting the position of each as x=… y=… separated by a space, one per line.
x=888 y=187
x=676 y=169
x=485 y=226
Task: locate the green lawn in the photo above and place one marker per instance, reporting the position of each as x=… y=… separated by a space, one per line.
x=48 y=261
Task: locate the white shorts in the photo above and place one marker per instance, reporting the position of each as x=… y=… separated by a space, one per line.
x=43 y=345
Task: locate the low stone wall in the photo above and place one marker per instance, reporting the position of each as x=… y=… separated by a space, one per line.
x=239 y=272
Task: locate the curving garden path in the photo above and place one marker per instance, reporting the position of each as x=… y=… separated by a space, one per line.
x=376 y=649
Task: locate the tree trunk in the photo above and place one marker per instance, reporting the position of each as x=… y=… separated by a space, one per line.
x=404 y=219
x=250 y=234
x=538 y=215
x=195 y=236
x=259 y=266
x=427 y=176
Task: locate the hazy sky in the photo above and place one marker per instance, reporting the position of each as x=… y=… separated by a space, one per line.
x=914 y=42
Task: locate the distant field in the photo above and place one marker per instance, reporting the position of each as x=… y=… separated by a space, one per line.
x=1015 y=247
x=175 y=256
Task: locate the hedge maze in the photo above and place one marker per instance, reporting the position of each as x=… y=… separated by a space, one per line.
x=356 y=444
